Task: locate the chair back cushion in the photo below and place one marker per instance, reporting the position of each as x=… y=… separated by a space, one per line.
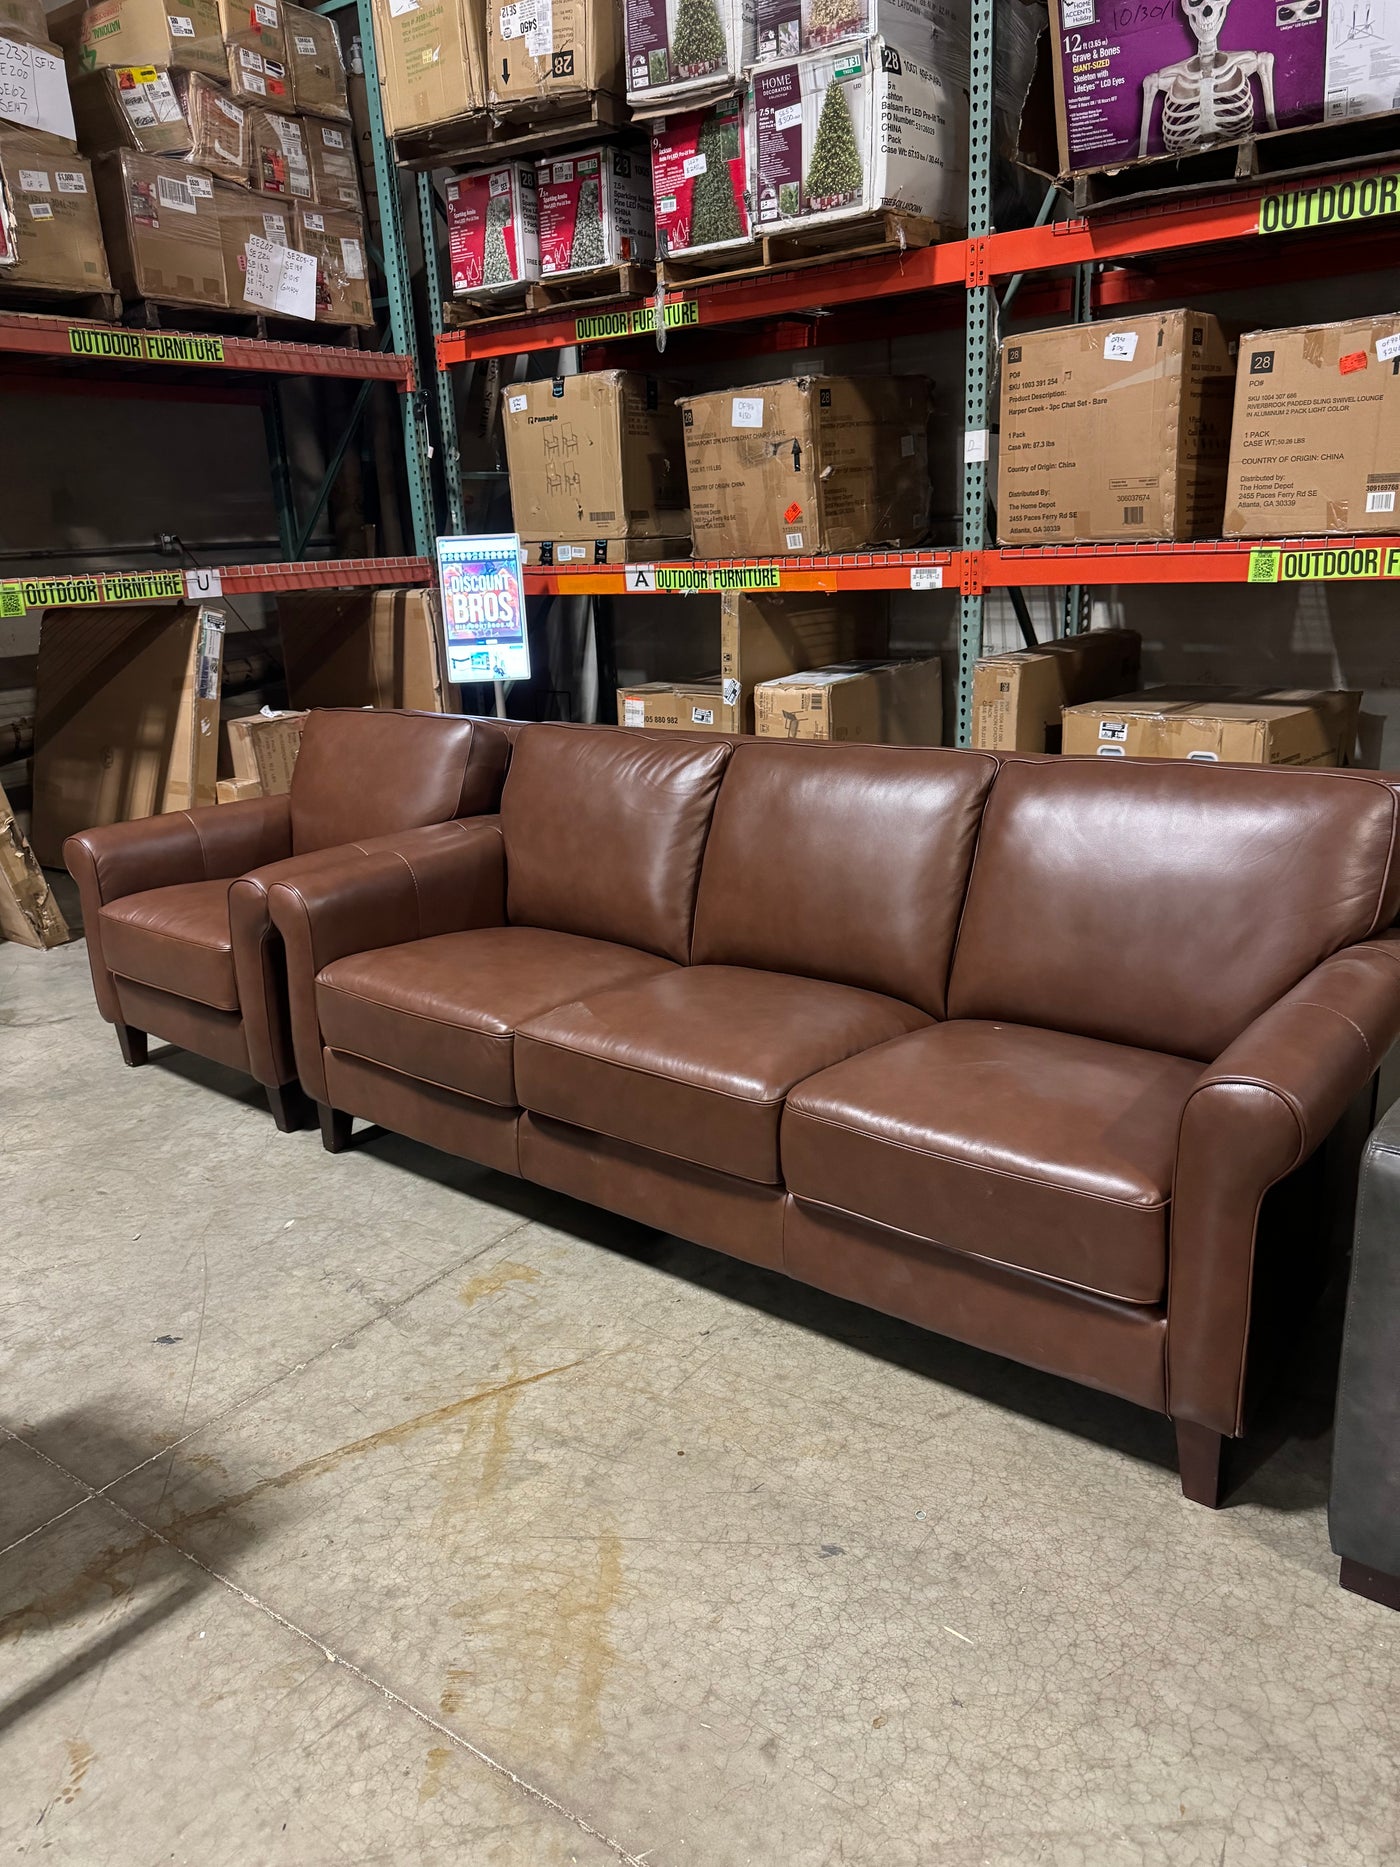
x=604 y=830
x=368 y=772
x=1162 y=903
x=847 y=863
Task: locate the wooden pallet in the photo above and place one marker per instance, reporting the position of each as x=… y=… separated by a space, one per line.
x=867 y=237
x=523 y=129
x=44 y=302
x=591 y=288
x=151 y=314
x=459 y=314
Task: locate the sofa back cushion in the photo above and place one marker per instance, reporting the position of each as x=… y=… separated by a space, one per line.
x=846 y=863
x=367 y=772
x=604 y=830
x=1165 y=904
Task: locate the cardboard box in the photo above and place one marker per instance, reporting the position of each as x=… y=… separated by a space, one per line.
x=126 y=717
x=593 y=456
x=1115 y=431
x=875 y=702
x=1273 y=727
x=432 y=60
x=1316 y=440
x=548 y=552
x=34 y=90
x=263 y=749
x=933 y=30
x=558 y=51
x=684 y=52
x=29 y=913
x=241 y=217
x=278 y=160
x=24 y=19
x=316 y=62
x=154 y=32
x=162 y=112
x=256 y=44
x=237 y=790
x=364 y=648
x=700 y=179
x=1017 y=699
x=335 y=170
x=1127 y=80
x=162 y=227
x=763 y=638
x=335 y=237
x=48 y=208
x=697 y=706
x=837 y=135
x=493 y=229
x=595 y=209
x=809 y=464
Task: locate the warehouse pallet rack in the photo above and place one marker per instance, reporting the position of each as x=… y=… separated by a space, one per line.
x=1163 y=249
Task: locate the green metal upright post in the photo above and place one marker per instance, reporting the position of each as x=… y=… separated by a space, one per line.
x=441 y=379
x=981 y=312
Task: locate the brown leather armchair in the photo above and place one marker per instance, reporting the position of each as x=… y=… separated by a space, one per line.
x=175 y=907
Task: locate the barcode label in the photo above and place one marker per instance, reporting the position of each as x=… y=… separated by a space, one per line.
x=1381 y=500
x=1133 y=515
x=175 y=193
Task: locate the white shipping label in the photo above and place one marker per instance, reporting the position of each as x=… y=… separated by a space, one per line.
x=40 y=210
x=1387 y=347
x=926 y=577
x=634 y=712
x=34 y=89
x=499 y=183
x=352 y=257
x=746 y=411
x=306 y=48
x=265 y=13
x=508 y=22
x=515 y=403
x=702 y=716
x=788 y=117
x=1116 y=730
x=1120 y=346
x=397 y=8
x=200 y=187
x=794 y=541
x=275 y=229
x=250 y=60
x=33 y=181
x=907 y=445
x=731 y=691
x=181 y=25
x=72 y=181
x=1381 y=499
x=666 y=205
x=139 y=113
x=234 y=112
x=332 y=139
x=251 y=81
x=975 y=444
x=174 y=193
x=315 y=223
x=566 y=554
x=280 y=279
x=562 y=172
x=537 y=27
x=694 y=165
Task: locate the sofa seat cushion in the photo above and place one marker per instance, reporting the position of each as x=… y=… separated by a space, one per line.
x=696 y=1063
x=176 y=939
x=1035 y=1149
x=446 y=1009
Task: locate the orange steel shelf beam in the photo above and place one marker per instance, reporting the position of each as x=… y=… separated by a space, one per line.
x=857 y=570
x=78 y=340
x=1225 y=560
x=122 y=588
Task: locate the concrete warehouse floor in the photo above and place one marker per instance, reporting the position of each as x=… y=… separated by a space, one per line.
x=379 y=1509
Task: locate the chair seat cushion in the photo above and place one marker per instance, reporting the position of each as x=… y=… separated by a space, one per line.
x=696 y=1063
x=1044 y=1151
x=446 y=1009
x=176 y=939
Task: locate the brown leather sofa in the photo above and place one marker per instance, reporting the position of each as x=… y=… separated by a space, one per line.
x=1014 y=1050
x=175 y=908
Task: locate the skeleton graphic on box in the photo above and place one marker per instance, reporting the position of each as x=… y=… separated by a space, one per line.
x=1209 y=98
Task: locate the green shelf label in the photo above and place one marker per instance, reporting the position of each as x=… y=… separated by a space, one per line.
x=681 y=313
x=1291 y=210
x=26 y=593
x=143 y=346
x=1324 y=564
x=725 y=577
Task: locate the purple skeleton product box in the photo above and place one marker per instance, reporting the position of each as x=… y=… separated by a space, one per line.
x=1144 y=78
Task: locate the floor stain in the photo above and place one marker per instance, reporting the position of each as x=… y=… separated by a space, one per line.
x=453 y=1696
x=80 y=1760
x=95 y=1577
x=438 y=1759
x=497 y=1278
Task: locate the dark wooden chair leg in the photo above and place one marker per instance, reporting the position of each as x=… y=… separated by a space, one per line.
x=290 y=1106
x=1200 y=1458
x=133 y=1043
x=1374 y=1584
x=335 y=1128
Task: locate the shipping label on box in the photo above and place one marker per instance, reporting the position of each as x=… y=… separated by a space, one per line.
x=493 y=229
x=595 y=209
x=280 y=163
x=679 y=50
x=699 y=177
x=848 y=133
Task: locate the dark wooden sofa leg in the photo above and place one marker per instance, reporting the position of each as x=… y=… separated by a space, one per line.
x=335 y=1128
x=1200 y=1458
x=290 y=1106
x=1374 y=1584
x=133 y=1043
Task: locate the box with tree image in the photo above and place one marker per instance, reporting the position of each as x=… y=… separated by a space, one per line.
x=686 y=51
x=935 y=31
x=699 y=175
x=595 y=209
x=856 y=132
x=493 y=230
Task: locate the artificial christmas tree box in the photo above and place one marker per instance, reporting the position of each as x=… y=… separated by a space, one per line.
x=595 y=209
x=897 y=703
x=316 y=63
x=161 y=224
x=278 y=160
x=242 y=216
x=1315 y=445
x=48 y=218
x=696 y=706
x=537 y=49
x=548 y=553
x=154 y=32
x=809 y=464
x=493 y=229
x=935 y=31
x=1017 y=699
x=162 y=112
x=1115 y=431
x=596 y=455
x=335 y=238
x=699 y=177
x=1279 y=726
x=838 y=135
x=256 y=42
x=682 y=52
x=432 y=61
x=335 y=171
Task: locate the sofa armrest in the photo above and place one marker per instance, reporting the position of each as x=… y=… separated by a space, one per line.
x=445 y=878
x=1257 y=1113
x=159 y=852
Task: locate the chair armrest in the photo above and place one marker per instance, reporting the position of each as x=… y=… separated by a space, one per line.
x=1258 y=1112
x=158 y=852
x=445 y=878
